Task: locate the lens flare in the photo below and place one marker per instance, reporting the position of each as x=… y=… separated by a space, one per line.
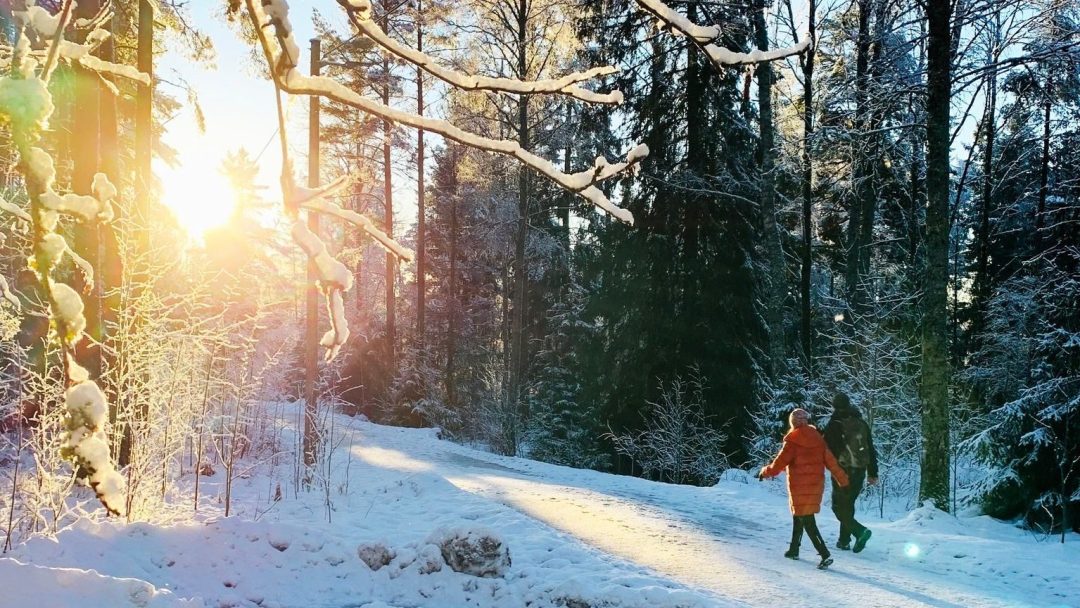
x=912 y=550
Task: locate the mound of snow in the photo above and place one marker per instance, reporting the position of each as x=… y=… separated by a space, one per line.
x=75 y=587
x=476 y=551
x=375 y=555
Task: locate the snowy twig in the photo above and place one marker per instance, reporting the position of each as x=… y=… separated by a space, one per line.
x=705 y=37
x=567 y=85
x=324 y=206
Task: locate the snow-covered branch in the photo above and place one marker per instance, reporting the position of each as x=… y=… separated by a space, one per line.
x=705 y=37
x=583 y=183
x=334 y=277
x=283 y=53
x=567 y=85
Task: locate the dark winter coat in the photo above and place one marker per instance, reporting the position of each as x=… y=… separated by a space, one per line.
x=842 y=425
x=805 y=456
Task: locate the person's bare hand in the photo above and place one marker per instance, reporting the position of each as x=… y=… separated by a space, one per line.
x=872 y=481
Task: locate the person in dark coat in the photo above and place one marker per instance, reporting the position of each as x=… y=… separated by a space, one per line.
x=805 y=457
x=849 y=438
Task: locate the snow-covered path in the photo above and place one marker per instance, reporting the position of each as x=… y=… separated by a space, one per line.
x=728 y=540
x=577 y=539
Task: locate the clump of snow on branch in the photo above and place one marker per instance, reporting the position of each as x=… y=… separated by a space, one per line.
x=86 y=444
x=705 y=37
x=25 y=101
x=332 y=273
x=334 y=277
x=82 y=206
x=40 y=20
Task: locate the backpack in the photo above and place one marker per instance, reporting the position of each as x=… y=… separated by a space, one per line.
x=856 y=443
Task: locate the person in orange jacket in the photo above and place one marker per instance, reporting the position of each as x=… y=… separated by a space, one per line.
x=805 y=457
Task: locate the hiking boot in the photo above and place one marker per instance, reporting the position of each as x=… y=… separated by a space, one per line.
x=843 y=545
x=791 y=554
x=860 y=542
x=825 y=562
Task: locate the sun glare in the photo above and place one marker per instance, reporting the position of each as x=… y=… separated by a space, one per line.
x=200 y=198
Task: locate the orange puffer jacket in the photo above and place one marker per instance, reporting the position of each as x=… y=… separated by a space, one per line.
x=805 y=456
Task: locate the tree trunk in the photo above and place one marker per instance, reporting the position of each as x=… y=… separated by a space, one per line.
x=860 y=164
x=421 y=223
x=935 y=369
x=1044 y=170
x=311 y=332
x=915 y=180
x=86 y=242
x=86 y=155
x=388 y=212
x=111 y=265
x=144 y=134
x=564 y=212
x=697 y=162
x=806 y=315
x=144 y=150
x=518 y=358
x=775 y=284
x=451 y=296
x=862 y=215
x=982 y=284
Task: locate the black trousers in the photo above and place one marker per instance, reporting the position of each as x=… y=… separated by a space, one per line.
x=843 y=504
x=808 y=523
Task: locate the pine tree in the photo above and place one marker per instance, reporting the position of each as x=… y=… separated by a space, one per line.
x=564 y=429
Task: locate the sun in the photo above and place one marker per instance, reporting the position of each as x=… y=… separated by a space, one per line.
x=200 y=197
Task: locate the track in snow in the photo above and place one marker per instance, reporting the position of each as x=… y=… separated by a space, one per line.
x=710 y=546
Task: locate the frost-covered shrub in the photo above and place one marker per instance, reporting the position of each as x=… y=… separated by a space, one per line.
x=678 y=443
x=473 y=551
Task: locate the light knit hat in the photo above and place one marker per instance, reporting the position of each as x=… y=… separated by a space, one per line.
x=798 y=417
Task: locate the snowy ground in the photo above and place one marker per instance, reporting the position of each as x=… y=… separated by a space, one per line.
x=578 y=539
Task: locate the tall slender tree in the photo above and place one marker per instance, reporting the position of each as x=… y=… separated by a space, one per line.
x=776 y=274
x=806 y=252
x=935 y=348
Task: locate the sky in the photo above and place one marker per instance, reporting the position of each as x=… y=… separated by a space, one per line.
x=240 y=111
